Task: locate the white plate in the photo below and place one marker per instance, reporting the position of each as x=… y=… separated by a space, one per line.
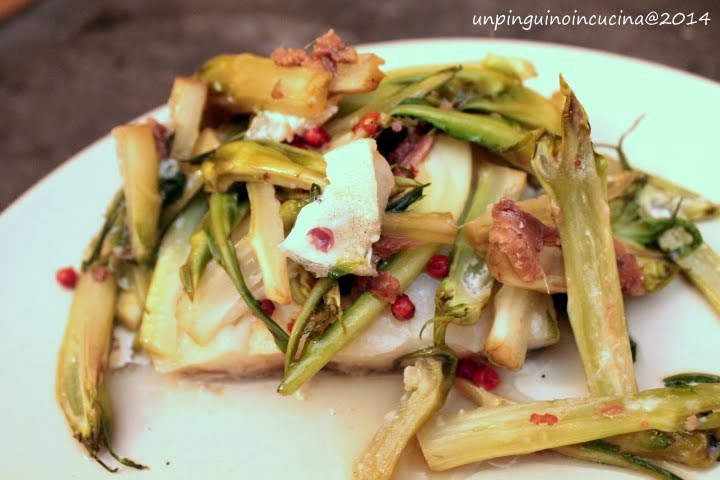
x=244 y=430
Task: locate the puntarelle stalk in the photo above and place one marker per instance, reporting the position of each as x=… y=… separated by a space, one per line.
x=383 y=104
x=597 y=451
x=245 y=161
x=568 y=172
x=218 y=230
x=461 y=296
x=702 y=267
x=436 y=227
x=158 y=330
x=315 y=296
x=405 y=266
x=486 y=433
x=522 y=104
x=82 y=361
x=139 y=162
x=426 y=388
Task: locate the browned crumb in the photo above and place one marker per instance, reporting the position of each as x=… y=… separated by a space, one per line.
x=328 y=50
x=277 y=91
x=288 y=57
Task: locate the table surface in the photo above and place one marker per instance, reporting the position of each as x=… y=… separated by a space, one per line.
x=70 y=70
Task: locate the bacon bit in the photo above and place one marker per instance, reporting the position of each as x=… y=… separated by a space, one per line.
x=67 y=277
x=632 y=277
x=330 y=45
x=160 y=135
x=265 y=176
x=328 y=50
x=412 y=151
x=546 y=418
x=267 y=306
x=480 y=374
x=322 y=238
x=403 y=308
x=691 y=423
x=368 y=124
x=384 y=286
x=290 y=326
x=99 y=273
x=611 y=410
x=578 y=163
x=277 y=91
x=388 y=246
x=288 y=57
x=438 y=266
x=520 y=237
x=316 y=137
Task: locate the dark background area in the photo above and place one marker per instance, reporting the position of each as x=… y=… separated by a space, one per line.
x=70 y=69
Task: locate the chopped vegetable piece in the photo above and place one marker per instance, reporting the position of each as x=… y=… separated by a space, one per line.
x=507 y=342
x=405 y=266
x=447 y=171
x=266 y=234
x=417 y=89
x=314 y=297
x=702 y=267
x=218 y=230
x=199 y=254
x=484 y=433
x=497 y=135
x=690 y=379
x=245 y=83
x=187 y=102
x=139 y=164
x=433 y=227
x=461 y=297
x=245 y=161
x=426 y=390
x=570 y=176
x=80 y=375
x=597 y=451
x=522 y=104
x=159 y=329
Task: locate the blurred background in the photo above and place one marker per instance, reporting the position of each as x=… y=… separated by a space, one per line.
x=70 y=70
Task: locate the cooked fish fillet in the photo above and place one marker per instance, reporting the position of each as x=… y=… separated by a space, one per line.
x=244 y=347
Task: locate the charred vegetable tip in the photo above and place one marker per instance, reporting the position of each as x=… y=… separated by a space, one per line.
x=569 y=173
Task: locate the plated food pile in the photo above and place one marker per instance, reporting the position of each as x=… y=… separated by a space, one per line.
x=308 y=210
